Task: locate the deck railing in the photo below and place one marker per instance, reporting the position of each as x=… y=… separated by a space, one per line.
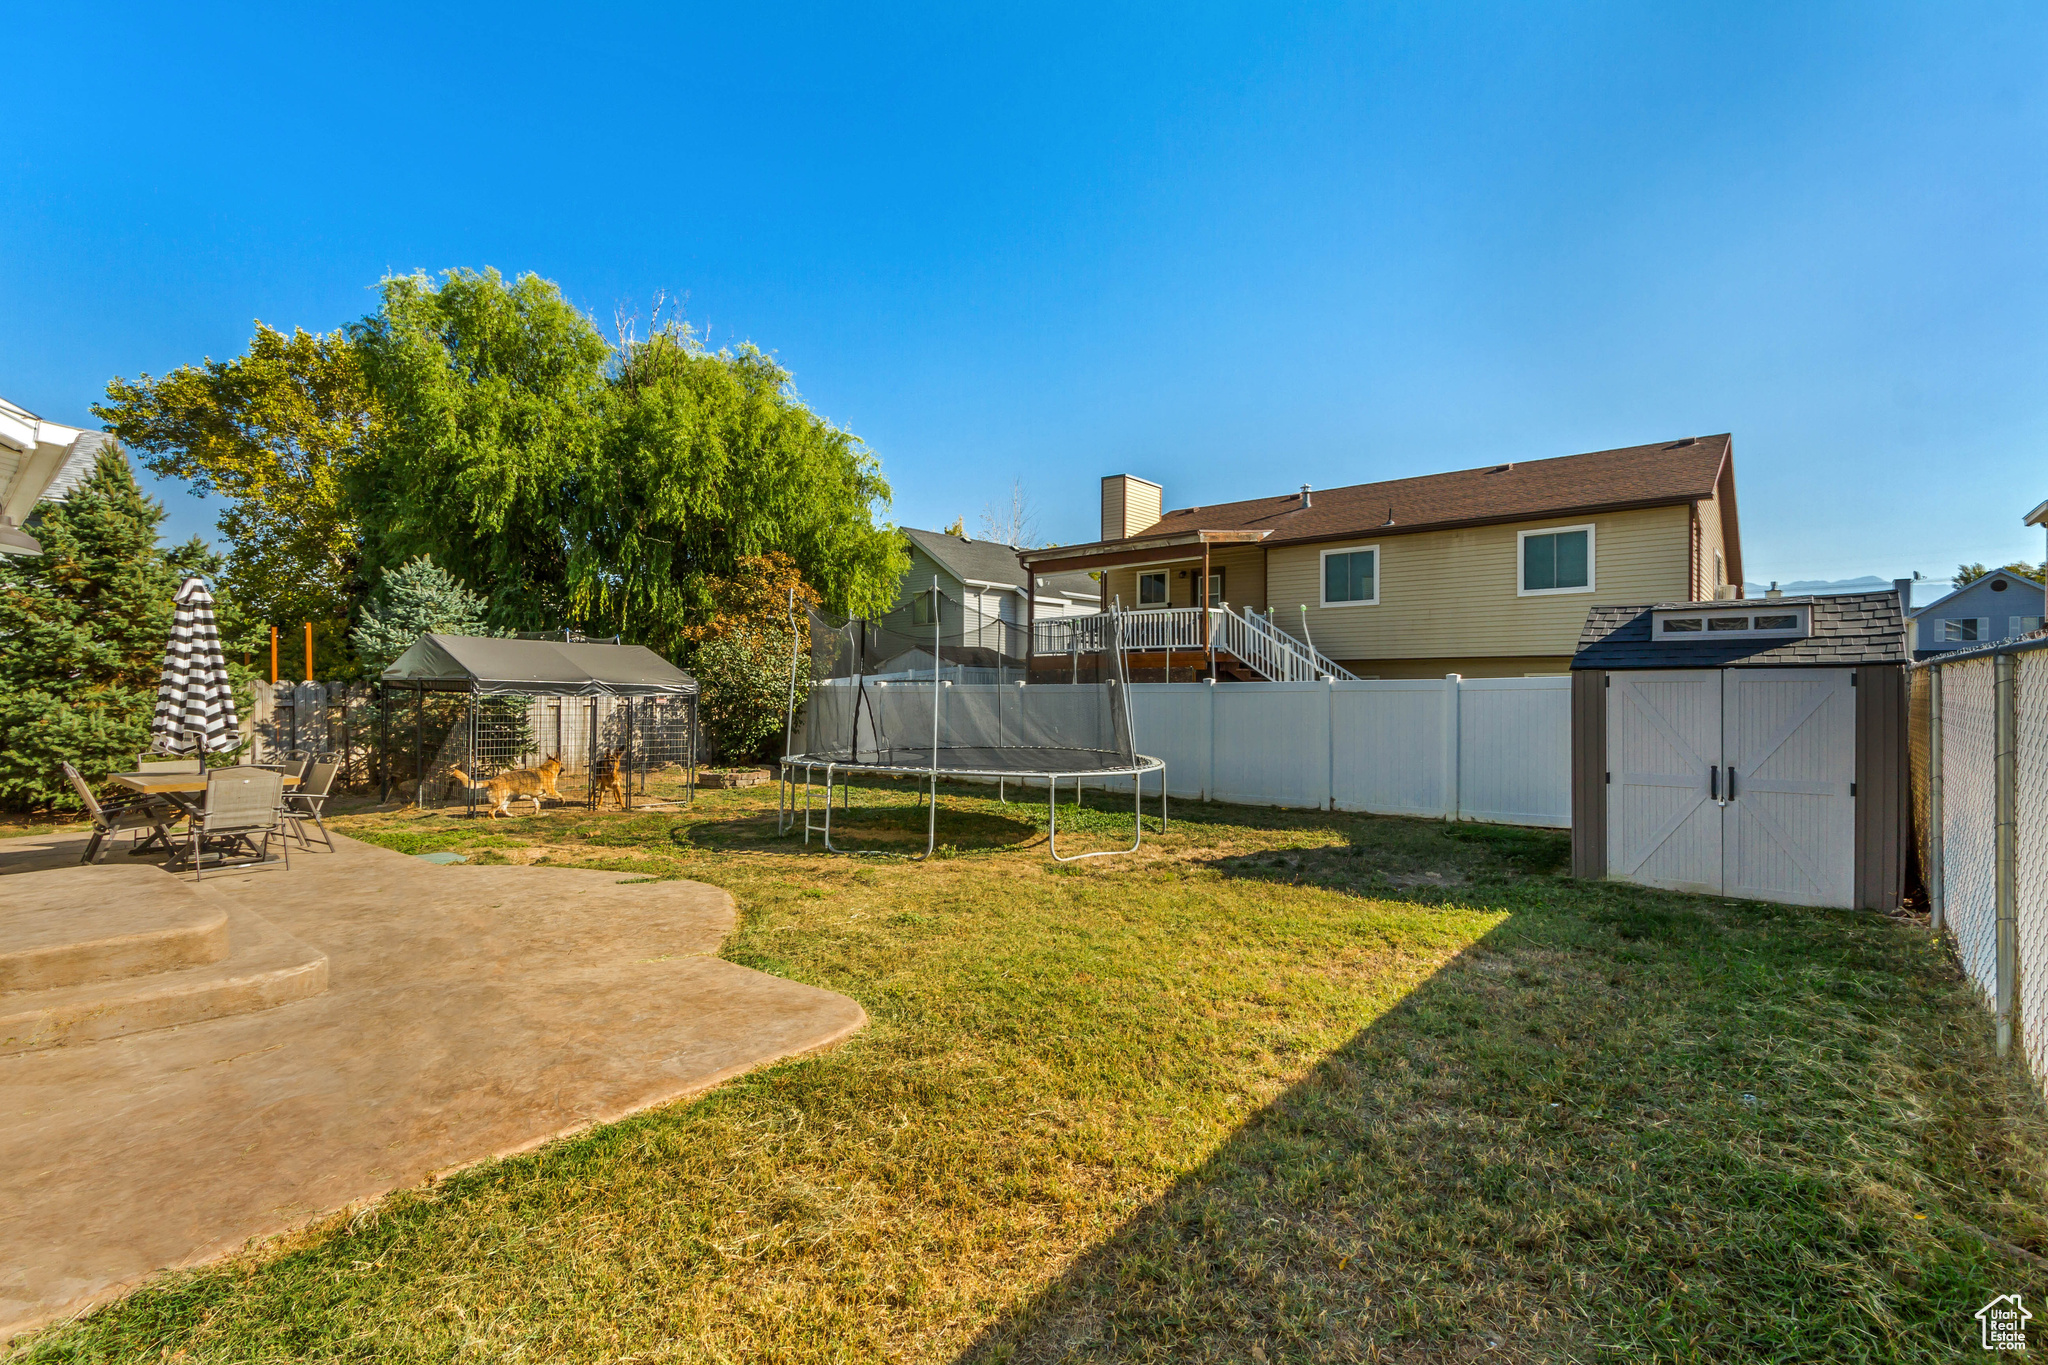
x=1266 y=649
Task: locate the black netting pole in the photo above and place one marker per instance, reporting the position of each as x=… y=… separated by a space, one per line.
x=469 y=787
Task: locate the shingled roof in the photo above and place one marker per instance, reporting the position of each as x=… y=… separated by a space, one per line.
x=1854 y=628
x=1656 y=475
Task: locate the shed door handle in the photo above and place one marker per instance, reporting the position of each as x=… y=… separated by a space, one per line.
x=1731 y=781
x=1714 y=783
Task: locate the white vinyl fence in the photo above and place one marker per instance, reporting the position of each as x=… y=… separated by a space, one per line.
x=1491 y=749
x=1980 y=731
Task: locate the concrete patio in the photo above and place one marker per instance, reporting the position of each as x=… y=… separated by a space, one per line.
x=327 y=1034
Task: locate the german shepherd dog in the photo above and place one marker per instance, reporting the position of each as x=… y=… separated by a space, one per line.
x=604 y=778
x=531 y=783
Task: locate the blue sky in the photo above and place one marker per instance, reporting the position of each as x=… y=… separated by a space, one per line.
x=1232 y=249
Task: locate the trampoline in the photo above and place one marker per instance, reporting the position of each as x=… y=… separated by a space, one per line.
x=938 y=690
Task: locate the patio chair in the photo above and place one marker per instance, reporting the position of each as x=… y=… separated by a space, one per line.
x=309 y=799
x=244 y=807
x=111 y=817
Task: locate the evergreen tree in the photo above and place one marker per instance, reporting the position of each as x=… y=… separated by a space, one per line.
x=413 y=599
x=83 y=627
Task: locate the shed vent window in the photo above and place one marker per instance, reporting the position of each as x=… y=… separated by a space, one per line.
x=1777 y=623
x=1729 y=623
x=1676 y=625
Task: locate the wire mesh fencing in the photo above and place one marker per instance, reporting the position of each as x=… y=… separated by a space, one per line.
x=510 y=754
x=1981 y=797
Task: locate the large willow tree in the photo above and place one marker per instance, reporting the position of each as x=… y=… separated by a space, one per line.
x=578 y=484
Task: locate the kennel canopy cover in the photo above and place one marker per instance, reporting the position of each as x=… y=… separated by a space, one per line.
x=489 y=665
x=937 y=686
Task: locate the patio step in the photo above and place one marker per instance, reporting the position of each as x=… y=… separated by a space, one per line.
x=263 y=967
x=68 y=926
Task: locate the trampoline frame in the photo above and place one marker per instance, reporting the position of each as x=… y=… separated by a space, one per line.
x=928 y=791
x=787 y=814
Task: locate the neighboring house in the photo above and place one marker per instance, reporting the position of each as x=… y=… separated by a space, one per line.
x=39 y=462
x=985 y=577
x=1998 y=606
x=1485 y=572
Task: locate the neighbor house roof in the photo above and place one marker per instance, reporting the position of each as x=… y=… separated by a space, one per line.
x=488 y=664
x=39 y=462
x=1983 y=579
x=991 y=561
x=1852 y=628
x=1687 y=470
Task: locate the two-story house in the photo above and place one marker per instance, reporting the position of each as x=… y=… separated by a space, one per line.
x=1486 y=572
x=986 y=579
x=1998 y=606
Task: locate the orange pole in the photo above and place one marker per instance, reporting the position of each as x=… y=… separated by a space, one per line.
x=309 y=651
x=273 y=656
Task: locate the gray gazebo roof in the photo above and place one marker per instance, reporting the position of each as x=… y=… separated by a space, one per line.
x=475 y=663
x=1847 y=629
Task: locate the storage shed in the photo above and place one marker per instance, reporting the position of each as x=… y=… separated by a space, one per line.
x=1745 y=748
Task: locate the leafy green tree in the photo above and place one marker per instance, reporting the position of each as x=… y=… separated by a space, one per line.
x=742 y=654
x=83 y=627
x=710 y=460
x=496 y=395
x=580 y=485
x=412 y=600
x=275 y=432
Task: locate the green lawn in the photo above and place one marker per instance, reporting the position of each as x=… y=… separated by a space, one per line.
x=1284 y=1086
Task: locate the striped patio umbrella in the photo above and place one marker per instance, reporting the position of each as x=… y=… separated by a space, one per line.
x=195 y=707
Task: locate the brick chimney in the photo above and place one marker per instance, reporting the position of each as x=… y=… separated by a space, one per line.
x=1129 y=505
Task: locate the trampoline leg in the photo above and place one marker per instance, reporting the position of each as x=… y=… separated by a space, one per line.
x=1002 y=793
x=828 y=809
x=1052 y=836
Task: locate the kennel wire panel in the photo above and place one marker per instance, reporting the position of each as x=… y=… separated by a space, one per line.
x=615 y=752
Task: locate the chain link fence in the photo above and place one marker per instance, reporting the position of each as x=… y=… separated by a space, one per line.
x=1980 y=776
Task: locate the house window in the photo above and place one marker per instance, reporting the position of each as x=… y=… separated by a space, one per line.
x=2022 y=624
x=1559 y=560
x=1215 y=587
x=1152 y=589
x=1351 y=576
x=923 y=607
x=1966 y=628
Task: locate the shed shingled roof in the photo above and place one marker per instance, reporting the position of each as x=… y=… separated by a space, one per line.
x=1854 y=628
x=991 y=561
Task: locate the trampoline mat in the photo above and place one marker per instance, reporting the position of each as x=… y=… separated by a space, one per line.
x=1008 y=759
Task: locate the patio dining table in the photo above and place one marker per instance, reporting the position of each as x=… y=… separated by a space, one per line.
x=177 y=788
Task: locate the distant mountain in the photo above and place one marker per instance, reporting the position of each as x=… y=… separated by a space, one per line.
x=1822 y=587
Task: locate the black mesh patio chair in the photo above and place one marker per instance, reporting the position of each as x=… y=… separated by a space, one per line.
x=111 y=817
x=310 y=798
x=244 y=808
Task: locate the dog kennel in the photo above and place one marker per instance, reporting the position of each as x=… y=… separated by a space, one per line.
x=620 y=719
x=1745 y=748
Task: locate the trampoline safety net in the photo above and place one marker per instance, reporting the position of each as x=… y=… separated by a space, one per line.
x=937 y=685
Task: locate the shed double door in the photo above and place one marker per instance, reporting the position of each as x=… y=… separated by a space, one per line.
x=1734 y=782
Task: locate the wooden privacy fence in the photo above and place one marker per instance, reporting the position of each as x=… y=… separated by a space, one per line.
x=316 y=717
x=1484 y=749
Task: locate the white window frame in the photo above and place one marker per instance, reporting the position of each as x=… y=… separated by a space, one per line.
x=1592 y=561
x=1166 y=583
x=1379 y=564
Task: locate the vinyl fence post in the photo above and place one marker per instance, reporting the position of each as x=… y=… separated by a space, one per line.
x=1937 y=894
x=1209 y=765
x=2006 y=819
x=1329 y=742
x=1452 y=683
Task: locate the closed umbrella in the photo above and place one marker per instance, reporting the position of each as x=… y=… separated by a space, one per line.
x=195 y=706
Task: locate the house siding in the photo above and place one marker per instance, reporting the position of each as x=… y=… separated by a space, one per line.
x=1978 y=600
x=1450 y=595
x=1708 y=513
